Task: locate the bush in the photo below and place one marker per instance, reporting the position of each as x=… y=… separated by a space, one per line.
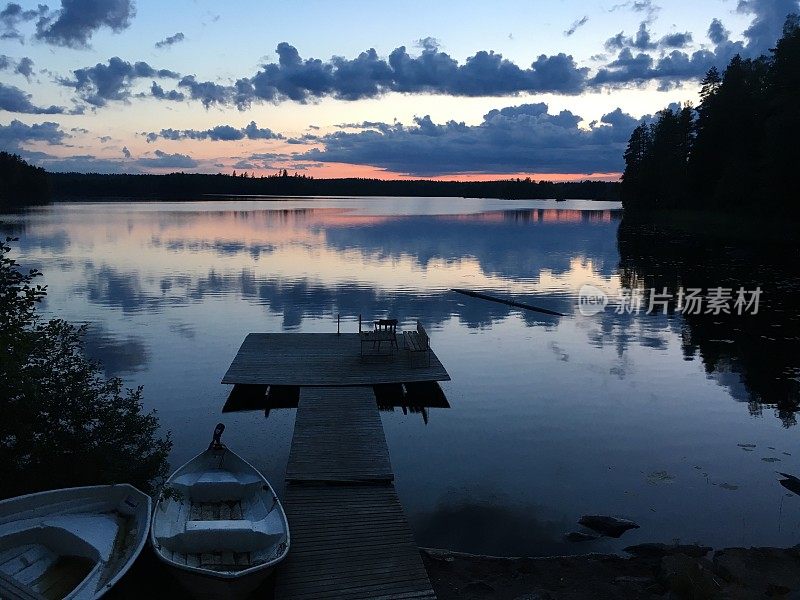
x=63 y=423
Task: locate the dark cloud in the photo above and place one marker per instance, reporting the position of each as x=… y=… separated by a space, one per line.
x=168 y=161
x=15 y=100
x=158 y=92
x=125 y=152
x=671 y=68
x=17 y=133
x=717 y=32
x=643 y=40
x=170 y=40
x=368 y=76
x=24 y=66
x=13 y=15
x=677 y=66
x=218 y=133
x=102 y=83
x=522 y=138
x=76 y=22
x=767 y=26
x=576 y=25
x=207 y=92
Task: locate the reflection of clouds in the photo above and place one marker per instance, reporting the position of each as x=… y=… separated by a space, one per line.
x=119 y=355
x=511 y=244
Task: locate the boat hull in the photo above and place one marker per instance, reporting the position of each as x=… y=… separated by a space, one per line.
x=74 y=543
x=219 y=525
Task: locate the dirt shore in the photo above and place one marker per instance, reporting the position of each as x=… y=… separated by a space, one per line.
x=735 y=573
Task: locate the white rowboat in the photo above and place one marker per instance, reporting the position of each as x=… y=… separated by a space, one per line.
x=219 y=524
x=71 y=544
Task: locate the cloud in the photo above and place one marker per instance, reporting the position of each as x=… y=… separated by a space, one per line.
x=170 y=40
x=17 y=133
x=15 y=100
x=125 y=152
x=158 y=92
x=516 y=139
x=576 y=25
x=223 y=133
x=13 y=15
x=102 y=83
x=672 y=67
x=368 y=76
x=25 y=67
x=643 y=40
x=76 y=22
x=168 y=161
x=767 y=25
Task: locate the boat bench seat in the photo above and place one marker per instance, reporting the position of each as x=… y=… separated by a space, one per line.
x=239 y=535
x=11 y=589
x=218 y=486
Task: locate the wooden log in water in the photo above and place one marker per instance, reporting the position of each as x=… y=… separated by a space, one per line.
x=513 y=303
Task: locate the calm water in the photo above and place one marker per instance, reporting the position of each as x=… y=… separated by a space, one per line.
x=640 y=416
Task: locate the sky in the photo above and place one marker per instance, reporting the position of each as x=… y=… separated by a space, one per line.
x=446 y=90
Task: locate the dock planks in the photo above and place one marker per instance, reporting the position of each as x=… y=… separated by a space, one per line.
x=349 y=537
x=349 y=541
x=322 y=359
x=338 y=436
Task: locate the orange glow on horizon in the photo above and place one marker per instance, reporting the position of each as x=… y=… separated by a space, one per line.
x=345 y=170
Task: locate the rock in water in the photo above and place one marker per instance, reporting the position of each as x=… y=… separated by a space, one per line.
x=661 y=550
x=610 y=526
x=579 y=536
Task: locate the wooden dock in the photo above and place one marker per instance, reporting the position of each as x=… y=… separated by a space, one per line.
x=322 y=359
x=349 y=536
x=338 y=436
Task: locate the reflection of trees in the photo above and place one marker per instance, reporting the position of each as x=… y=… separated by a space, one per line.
x=763 y=350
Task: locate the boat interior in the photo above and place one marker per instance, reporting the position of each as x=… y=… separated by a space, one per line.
x=219 y=514
x=51 y=550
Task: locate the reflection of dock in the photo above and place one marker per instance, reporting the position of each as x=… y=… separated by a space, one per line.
x=349 y=536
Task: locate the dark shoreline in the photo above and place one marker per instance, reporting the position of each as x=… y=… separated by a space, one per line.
x=726 y=573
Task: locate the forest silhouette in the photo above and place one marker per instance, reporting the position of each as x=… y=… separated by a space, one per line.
x=737 y=148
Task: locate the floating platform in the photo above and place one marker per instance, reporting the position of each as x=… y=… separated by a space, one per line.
x=325 y=360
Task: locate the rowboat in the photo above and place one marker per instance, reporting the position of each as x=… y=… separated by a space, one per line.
x=219 y=524
x=73 y=543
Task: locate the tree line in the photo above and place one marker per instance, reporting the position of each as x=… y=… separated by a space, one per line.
x=737 y=148
x=20 y=182
x=192 y=185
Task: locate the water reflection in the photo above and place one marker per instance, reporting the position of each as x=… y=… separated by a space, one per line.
x=755 y=356
x=551 y=418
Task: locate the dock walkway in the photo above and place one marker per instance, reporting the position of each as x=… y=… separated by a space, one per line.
x=349 y=536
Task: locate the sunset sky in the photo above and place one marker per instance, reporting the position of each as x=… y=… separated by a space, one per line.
x=450 y=90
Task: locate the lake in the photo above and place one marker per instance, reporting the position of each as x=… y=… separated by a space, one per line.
x=677 y=421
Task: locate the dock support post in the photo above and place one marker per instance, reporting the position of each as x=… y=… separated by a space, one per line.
x=359 y=322
x=338 y=319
